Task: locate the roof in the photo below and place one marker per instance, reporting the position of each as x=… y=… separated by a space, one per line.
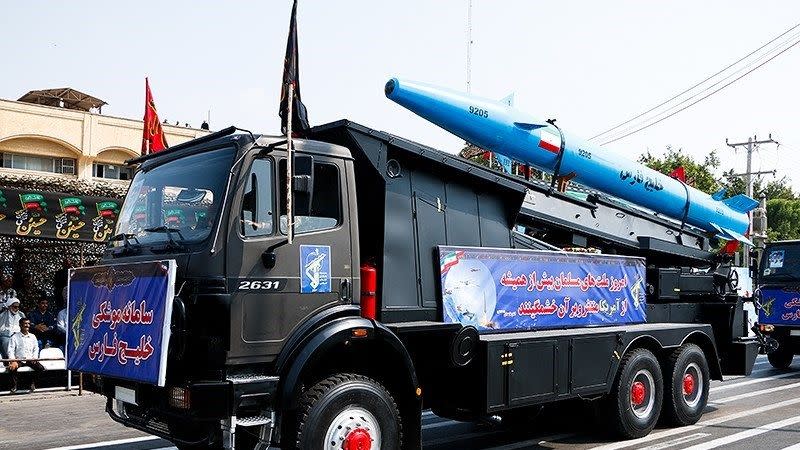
x=63 y=98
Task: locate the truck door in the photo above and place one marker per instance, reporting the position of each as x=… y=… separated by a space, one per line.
x=313 y=273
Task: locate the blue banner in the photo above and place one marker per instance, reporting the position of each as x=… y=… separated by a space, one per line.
x=780 y=306
x=501 y=289
x=118 y=320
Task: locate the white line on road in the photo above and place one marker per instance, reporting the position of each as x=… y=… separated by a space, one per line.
x=742 y=435
x=533 y=442
x=102 y=444
x=706 y=423
x=753 y=381
x=676 y=441
x=792 y=447
x=755 y=393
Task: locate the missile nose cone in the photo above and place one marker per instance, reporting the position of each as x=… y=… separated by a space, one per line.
x=389 y=88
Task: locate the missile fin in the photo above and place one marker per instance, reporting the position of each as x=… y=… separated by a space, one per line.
x=730 y=234
x=529 y=126
x=508 y=100
x=740 y=203
x=719 y=195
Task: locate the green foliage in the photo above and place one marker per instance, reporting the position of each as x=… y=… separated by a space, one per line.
x=783 y=219
x=699 y=175
x=773 y=189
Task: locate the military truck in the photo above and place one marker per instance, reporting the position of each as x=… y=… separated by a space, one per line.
x=337 y=338
x=779 y=297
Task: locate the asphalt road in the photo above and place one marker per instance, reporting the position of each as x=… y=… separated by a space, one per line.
x=761 y=411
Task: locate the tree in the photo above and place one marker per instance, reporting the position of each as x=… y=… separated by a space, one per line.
x=783 y=219
x=773 y=189
x=698 y=175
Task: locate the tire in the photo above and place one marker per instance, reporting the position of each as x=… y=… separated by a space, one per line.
x=348 y=407
x=782 y=357
x=638 y=380
x=687 y=381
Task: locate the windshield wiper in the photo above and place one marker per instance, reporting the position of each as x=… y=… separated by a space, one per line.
x=168 y=230
x=126 y=244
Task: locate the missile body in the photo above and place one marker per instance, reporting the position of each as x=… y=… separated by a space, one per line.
x=495 y=125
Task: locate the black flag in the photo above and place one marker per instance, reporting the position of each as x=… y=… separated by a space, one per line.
x=291 y=76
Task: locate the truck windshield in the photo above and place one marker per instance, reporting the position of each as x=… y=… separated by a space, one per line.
x=176 y=201
x=781 y=262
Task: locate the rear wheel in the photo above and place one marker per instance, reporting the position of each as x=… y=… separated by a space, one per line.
x=782 y=357
x=686 y=390
x=634 y=403
x=351 y=412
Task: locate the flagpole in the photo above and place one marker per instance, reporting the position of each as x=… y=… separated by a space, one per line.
x=289 y=168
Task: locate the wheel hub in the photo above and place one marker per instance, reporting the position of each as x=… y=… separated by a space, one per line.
x=354 y=428
x=358 y=439
x=688 y=384
x=637 y=393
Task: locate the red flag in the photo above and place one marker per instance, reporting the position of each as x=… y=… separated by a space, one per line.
x=153 y=139
x=679 y=174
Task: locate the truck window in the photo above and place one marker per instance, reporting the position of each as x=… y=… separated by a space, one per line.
x=257 y=210
x=325 y=200
x=173 y=195
x=781 y=262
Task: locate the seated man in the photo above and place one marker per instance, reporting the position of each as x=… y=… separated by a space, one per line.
x=23 y=347
x=61 y=326
x=44 y=323
x=9 y=324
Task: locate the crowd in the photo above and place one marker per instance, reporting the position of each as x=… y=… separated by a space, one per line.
x=23 y=335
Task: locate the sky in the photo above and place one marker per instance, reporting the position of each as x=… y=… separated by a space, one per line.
x=588 y=64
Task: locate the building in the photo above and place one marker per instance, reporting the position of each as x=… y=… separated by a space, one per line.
x=56 y=146
x=70 y=142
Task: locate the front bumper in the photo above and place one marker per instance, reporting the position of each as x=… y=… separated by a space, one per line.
x=210 y=402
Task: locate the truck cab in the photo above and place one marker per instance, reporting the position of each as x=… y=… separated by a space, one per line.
x=779 y=296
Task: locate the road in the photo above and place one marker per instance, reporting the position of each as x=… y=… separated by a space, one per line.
x=761 y=411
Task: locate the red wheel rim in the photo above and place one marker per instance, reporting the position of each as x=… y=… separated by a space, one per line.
x=637 y=393
x=358 y=439
x=688 y=384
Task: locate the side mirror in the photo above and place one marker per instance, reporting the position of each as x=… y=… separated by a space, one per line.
x=303 y=184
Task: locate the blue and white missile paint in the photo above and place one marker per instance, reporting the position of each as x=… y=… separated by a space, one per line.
x=497 y=126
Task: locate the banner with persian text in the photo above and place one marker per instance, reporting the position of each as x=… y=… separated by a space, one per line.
x=50 y=215
x=118 y=320
x=780 y=305
x=509 y=289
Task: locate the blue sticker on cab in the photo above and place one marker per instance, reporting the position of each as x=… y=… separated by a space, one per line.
x=315 y=268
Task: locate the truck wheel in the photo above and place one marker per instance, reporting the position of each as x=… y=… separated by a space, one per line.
x=686 y=394
x=634 y=403
x=782 y=357
x=348 y=411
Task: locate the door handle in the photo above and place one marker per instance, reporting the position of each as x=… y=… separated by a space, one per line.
x=344 y=289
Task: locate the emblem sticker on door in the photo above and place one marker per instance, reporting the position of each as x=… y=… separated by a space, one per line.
x=315 y=268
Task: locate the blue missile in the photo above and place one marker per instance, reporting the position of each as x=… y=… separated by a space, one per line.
x=497 y=126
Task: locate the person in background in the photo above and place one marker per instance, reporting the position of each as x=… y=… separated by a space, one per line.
x=61 y=325
x=60 y=282
x=43 y=322
x=9 y=324
x=6 y=291
x=24 y=347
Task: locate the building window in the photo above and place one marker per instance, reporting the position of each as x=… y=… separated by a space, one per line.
x=38 y=163
x=111 y=171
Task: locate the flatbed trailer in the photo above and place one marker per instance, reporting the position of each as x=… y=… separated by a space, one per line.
x=254 y=346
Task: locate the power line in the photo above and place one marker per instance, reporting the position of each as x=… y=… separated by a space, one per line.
x=702 y=98
x=618 y=135
x=695 y=85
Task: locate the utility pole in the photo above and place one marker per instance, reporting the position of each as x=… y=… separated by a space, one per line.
x=751 y=145
x=469 y=45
